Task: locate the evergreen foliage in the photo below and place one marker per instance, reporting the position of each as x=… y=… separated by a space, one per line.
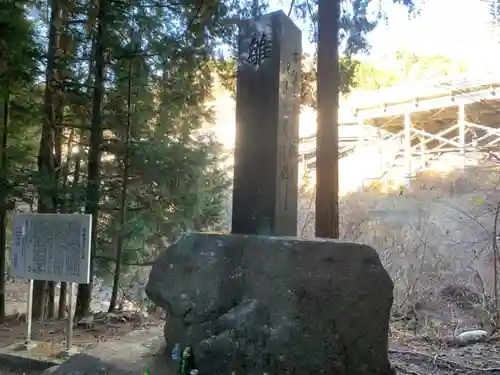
x=104 y=110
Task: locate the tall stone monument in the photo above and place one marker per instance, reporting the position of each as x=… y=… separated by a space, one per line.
x=267 y=127
x=272 y=303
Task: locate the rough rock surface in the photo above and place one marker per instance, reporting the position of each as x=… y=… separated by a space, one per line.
x=254 y=304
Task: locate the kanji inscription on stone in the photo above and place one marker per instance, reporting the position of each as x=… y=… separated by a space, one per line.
x=259 y=49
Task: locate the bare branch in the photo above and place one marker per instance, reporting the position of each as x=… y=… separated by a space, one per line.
x=138 y=264
x=495 y=263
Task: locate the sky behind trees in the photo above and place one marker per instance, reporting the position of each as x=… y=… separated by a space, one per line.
x=456 y=28
x=459 y=29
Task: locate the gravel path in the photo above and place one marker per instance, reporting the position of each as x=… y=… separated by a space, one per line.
x=8 y=371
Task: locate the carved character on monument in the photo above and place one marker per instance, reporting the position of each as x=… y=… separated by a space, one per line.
x=259 y=50
x=289 y=107
x=285 y=88
x=285 y=128
x=284 y=168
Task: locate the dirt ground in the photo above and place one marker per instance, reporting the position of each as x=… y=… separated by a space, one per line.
x=9 y=371
x=410 y=355
x=420 y=356
x=50 y=336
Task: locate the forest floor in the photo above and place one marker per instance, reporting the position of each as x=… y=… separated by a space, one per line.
x=11 y=371
x=50 y=336
x=411 y=355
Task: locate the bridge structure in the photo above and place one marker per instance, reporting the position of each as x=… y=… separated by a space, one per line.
x=424 y=121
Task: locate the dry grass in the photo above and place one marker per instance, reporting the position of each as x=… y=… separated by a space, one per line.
x=434 y=238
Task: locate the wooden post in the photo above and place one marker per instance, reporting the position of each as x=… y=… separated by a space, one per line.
x=461 y=127
x=423 y=152
x=380 y=151
x=29 y=318
x=361 y=143
x=69 y=333
x=407 y=147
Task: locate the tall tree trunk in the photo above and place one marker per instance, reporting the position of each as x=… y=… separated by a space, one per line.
x=65 y=171
x=3 y=201
x=123 y=197
x=61 y=308
x=46 y=163
x=64 y=207
x=94 y=163
x=51 y=299
x=76 y=180
x=327 y=93
x=58 y=197
x=70 y=207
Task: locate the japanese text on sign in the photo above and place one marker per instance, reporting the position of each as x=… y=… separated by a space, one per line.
x=54 y=247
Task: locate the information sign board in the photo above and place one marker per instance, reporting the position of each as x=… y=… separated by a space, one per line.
x=53 y=247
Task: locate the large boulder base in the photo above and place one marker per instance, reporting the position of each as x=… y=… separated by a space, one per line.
x=281 y=305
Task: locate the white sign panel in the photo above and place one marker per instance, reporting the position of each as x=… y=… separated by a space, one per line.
x=53 y=247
